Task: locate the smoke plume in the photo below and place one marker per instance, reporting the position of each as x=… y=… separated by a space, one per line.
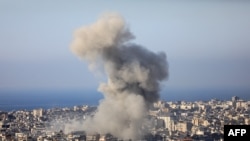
x=133 y=76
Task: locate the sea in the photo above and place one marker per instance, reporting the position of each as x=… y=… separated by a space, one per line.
x=12 y=100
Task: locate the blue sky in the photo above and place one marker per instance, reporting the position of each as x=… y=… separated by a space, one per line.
x=207 y=42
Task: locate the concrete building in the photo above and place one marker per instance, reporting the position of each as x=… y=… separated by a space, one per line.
x=235 y=98
x=21 y=137
x=38 y=112
x=93 y=137
x=181 y=126
x=168 y=122
x=241 y=104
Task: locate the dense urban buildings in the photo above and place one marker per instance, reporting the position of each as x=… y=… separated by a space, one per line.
x=172 y=121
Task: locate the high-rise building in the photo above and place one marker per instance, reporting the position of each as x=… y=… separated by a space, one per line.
x=168 y=121
x=235 y=98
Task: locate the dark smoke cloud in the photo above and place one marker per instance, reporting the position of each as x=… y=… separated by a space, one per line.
x=134 y=75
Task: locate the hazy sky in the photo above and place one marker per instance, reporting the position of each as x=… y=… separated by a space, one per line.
x=207 y=42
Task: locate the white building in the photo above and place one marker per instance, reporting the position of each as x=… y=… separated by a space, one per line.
x=168 y=121
x=182 y=126
x=38 y=112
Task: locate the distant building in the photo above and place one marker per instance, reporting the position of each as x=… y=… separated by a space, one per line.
x=107 y=137
x=196 y=121
x=93 y=137
x=1 y=124
x=38 y=112
x=21 y=137
x=168 y=122
x=247 y=121
x=241 y=104
x=182 y=126
x=235 y=98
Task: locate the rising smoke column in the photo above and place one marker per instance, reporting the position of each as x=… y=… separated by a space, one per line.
x=133 y=76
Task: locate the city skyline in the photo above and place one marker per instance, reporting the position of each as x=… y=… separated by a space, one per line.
x=206 y=43
x=169 y=121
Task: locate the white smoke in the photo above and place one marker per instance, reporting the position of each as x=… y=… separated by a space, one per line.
x=133 y=73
